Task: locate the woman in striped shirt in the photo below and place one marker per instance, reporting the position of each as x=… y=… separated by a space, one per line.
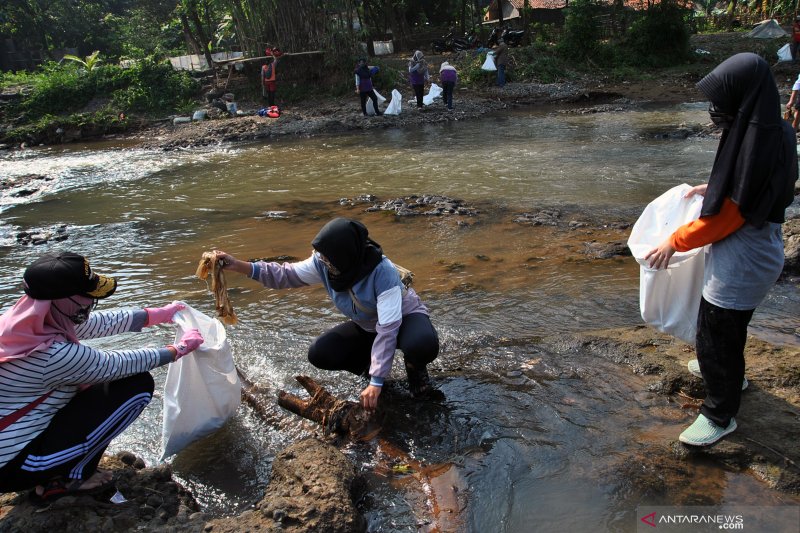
x=61 y=403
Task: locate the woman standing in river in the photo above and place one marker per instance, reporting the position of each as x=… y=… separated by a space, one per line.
x=366 y=287
x=750 y=186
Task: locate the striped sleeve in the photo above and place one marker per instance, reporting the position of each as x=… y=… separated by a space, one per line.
x=76 y=364
x=107 y=323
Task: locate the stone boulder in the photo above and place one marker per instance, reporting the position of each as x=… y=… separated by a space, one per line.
x=791 y=244
x=313 y=488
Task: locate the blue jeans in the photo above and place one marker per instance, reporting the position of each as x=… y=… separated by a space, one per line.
x=501 y=75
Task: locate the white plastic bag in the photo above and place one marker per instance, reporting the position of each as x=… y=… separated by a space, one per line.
x=785 y=53
x=202 y=390
x=669 y=299
x=489 y=63
x=433 y=93
x=370 y=107
x=395 y=106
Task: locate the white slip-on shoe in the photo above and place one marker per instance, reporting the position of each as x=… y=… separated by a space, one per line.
x=694 y=368
x=704 y=432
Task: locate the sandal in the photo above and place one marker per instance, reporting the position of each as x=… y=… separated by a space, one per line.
x=59 y=487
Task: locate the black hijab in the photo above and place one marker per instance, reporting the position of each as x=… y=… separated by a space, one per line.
x=345 y=243
x=756 y=161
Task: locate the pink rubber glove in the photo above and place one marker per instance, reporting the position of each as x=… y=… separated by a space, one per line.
x=162 y=315
x=188 y=343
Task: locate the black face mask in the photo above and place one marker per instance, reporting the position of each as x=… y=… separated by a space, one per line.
x=81 y=315
x=719 y=118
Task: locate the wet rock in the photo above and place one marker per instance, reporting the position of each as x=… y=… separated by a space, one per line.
x=42 y=236
x=275 y=214
x=302 y=498
x=362 y=199
x=607 y=250
x=545 y=217
x=28 y=180
x=791 y=245
x=427 y=205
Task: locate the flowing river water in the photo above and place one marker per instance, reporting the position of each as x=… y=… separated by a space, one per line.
x=541 y=436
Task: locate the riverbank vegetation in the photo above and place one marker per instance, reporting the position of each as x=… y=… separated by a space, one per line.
x=91 y=89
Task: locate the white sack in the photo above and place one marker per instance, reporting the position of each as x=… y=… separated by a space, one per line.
x=202 y=390
x=489 y=63
x=395 y=105
x=433 y=93
x=669 y=299
x=785 y=53
x=370 y=107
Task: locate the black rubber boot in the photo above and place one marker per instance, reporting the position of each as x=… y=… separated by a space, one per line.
x=419 y=383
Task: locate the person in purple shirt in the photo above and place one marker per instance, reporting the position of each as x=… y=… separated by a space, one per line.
x=364 y=87
x=418 y=74
x=384 y=314
x=448 y=76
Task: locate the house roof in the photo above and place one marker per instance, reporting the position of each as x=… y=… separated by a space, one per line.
x=514 y=6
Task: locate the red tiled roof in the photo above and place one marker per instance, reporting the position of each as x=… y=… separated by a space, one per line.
x=560 y=4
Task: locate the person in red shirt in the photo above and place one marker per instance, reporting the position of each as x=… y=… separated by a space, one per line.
x=268 y=82
x=795 y=38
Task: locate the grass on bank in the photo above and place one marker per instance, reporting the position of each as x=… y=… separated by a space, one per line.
x=109 y=98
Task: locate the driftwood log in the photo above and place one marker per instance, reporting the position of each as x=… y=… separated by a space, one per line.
x=334 y=415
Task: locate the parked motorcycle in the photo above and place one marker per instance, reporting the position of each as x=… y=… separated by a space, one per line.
x=451 y=43
x=510 y=37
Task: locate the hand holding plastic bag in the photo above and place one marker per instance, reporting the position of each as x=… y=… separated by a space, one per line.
x=203 y=391
x=162 y=315
x=669 y=299
x=190 y=341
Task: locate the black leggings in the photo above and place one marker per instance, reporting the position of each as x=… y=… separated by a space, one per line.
x=73 y=443
x=349 y=347
x=418 y=90
x=721 y=336
x=372 y=96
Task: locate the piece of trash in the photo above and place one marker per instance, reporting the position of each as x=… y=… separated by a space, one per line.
x=118 y=498
x=702 y=52
x=402 y=469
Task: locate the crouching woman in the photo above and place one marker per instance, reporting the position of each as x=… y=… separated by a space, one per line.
x=61 y=402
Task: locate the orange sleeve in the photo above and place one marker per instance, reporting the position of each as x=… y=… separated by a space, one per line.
x=706 y=230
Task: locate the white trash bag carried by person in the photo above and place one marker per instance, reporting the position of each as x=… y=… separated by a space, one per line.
x=370 y=107
x=203 y=391
x=669 y=299
x=395 y=106
x=489 y=63
x=433 y=93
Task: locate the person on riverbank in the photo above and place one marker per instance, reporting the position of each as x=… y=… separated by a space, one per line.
x=365 y=286
x=418 y=74
x=364 y=88
x=269 y=72
x=795 y=44
x=793 y=106
x=61 y=402
x=449 y=77
x=750 y=186
x=500 y=61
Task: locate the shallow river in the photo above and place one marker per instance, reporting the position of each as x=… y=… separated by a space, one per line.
x=540 y=435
